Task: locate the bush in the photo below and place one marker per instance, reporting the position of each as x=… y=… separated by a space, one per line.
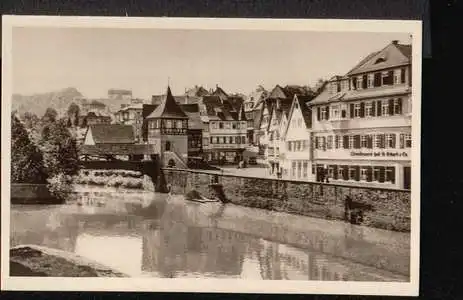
x=60 y=186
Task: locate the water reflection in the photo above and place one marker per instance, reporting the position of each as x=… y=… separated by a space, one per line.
x=142 y=234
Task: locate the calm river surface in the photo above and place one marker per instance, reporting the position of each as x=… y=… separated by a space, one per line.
x=144 y=234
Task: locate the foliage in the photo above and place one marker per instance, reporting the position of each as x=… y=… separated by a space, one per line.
x=60 y=186
x=50 y=115
x=73 y=113
x=60 y=149
x=27 y=165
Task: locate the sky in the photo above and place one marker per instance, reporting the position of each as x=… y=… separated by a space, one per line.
x=94 y=60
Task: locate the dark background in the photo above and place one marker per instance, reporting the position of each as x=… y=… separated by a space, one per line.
x=442 y=175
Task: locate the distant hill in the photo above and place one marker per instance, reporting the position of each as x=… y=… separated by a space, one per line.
x=38 y=103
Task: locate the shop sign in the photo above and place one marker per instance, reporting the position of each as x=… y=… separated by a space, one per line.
x=380 y=154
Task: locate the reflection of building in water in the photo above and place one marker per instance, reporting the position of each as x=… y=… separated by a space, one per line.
x=177 y=248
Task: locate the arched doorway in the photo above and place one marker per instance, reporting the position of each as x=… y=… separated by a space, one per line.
x=168 y=146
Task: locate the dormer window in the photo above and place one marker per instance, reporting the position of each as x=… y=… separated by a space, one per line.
x=380 y=60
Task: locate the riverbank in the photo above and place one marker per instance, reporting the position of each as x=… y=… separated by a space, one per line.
x=376 y=207
x=28 y=193
x=33 y=260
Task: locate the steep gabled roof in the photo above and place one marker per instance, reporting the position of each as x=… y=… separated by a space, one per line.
x=305 y=111
x=112 y=133
x=277 y=92
x=220 y=92
x=392 y=55
x=194 y=117
x=196 y=91
x=168 y=109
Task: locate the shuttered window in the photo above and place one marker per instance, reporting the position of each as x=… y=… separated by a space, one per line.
x=391 y=107
x=357 y=141
x=370 y=141
x=402 y=141
x=345 y=143
x=362 y=109
x=351 y=106
x=378 y=108
x=398 y=106
x=382 y=174
x=318 y=113
x=335 y=172
x=390 y=174
x=369 y=174
x=373 y=109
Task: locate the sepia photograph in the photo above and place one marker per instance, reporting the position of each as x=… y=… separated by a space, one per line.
x=211 y=155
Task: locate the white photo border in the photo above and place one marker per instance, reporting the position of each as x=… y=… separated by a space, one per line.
x=213 y=285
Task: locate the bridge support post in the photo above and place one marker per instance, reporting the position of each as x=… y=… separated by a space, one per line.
x=161 y=185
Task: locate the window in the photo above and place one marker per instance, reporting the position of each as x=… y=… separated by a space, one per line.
x=376 y=174
x=180 y=124
x=352 y=173
x=335 y=112
x=390 y=174
x=338 y=142
x=388 y=77
x=354 y=83
x=324 y=143
x=396 y=77
x=385 y=108
x=368 y=109
x=370 y=80
x=235 y=125
x=397 y=106
x=363 y=174
x=324 y=113
x=299 y=169
x=217 y=140
x=408 y=140
x=402 y=75
x=363 y=141
x=168 y=124
x=304 y=169
x=357 y=110
x=298 y=145
x=390 y=140
x=293 y=169
x=379 y=141
x=351 y=142
x=230 y=140
x=289 y=146
x=329 y=144
x=214 y=125
x=340 y=173
x=220 y=125
x=205 y=141
x=243 y=139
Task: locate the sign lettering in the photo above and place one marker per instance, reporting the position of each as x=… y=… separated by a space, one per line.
x=380 y=154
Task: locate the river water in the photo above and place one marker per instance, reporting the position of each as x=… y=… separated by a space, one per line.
x=145 y=234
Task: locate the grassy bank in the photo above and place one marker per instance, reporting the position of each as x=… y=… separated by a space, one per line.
x=113 y=178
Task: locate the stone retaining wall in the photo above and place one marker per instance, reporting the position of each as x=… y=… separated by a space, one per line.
x=391 y=208
x=25 y=193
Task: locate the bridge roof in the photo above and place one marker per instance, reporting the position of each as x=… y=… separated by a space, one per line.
x=117 y=149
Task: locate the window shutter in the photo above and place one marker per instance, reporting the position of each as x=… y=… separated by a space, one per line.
x=335 y=171
x=373 y=108
x=392 y=172
x=357 y=173
x=378 y=108
x=362 y=109
x=351 y=110
x=318 y=113
x=369 y=174
x=393 y=140
x=327 y=112
x=212 y=141
x=402 y=141
x=391 y=107
x=345 y=143
x=357 y=142
x=381 y=174
x=382 y=140
x=399 y=102
x=344 y=173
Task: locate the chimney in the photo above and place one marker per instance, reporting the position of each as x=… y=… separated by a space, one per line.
x=395 y=42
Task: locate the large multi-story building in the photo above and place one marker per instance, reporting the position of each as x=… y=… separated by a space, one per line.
x=131 y=114
x=361 y=122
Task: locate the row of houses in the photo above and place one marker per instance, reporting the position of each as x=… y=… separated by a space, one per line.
x=355 y=129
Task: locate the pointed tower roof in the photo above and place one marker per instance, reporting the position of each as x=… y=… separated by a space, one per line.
x=168 y=109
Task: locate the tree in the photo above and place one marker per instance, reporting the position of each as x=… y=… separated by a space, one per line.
x=50 y=115
x=27 y=164
x=60 y=150
x=30 y=120
x=74 y=113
